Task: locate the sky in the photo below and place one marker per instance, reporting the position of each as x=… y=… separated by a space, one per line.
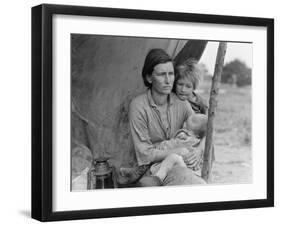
x=241 y=51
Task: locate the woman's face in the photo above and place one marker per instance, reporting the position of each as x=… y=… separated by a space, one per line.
x=162 y=78
x=184 y=88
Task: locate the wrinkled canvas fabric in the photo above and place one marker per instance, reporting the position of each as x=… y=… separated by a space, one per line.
x=106 y=76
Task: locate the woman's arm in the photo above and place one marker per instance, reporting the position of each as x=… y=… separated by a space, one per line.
x=160 y=155
x=146 y=151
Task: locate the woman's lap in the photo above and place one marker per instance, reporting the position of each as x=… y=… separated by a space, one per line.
x=182 y=176
x=177 y=176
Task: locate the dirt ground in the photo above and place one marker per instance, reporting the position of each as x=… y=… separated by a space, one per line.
x=232 y=137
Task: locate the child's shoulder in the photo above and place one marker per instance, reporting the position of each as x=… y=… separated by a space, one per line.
x=200 y=105
x=200 y=99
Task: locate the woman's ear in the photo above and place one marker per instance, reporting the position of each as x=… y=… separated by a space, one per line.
x=148 y=78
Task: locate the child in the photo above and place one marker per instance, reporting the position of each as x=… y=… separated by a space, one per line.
x=188 y=77
x=188 y=138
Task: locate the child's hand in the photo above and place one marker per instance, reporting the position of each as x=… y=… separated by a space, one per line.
x=197 y=167
x=192 y=159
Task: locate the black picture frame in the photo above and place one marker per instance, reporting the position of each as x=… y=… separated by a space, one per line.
x=42 y=108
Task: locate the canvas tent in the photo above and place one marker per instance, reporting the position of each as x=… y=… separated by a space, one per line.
x=106 y=75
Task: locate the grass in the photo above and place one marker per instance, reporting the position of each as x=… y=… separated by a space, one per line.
x=232 y=134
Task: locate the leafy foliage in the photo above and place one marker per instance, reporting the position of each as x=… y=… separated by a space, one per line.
x=237 y=72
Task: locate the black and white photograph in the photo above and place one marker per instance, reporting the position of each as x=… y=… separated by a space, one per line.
x=157 y=112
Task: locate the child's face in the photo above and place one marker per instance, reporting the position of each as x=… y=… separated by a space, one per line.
x=184 y=88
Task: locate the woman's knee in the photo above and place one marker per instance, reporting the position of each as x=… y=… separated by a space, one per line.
x=182 y=176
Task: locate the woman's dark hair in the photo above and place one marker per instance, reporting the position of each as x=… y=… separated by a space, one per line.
x=154 y=57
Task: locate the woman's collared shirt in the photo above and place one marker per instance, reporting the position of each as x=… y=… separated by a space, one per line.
x=149 y=127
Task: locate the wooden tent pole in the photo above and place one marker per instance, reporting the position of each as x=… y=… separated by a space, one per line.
x=208 y=154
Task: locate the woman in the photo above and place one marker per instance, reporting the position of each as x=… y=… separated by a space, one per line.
x=156 y=115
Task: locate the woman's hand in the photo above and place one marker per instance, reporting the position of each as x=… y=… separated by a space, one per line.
x=192 y=159
x=182 y=151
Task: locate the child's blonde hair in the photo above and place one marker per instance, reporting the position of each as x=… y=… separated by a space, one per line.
x=188 y=69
